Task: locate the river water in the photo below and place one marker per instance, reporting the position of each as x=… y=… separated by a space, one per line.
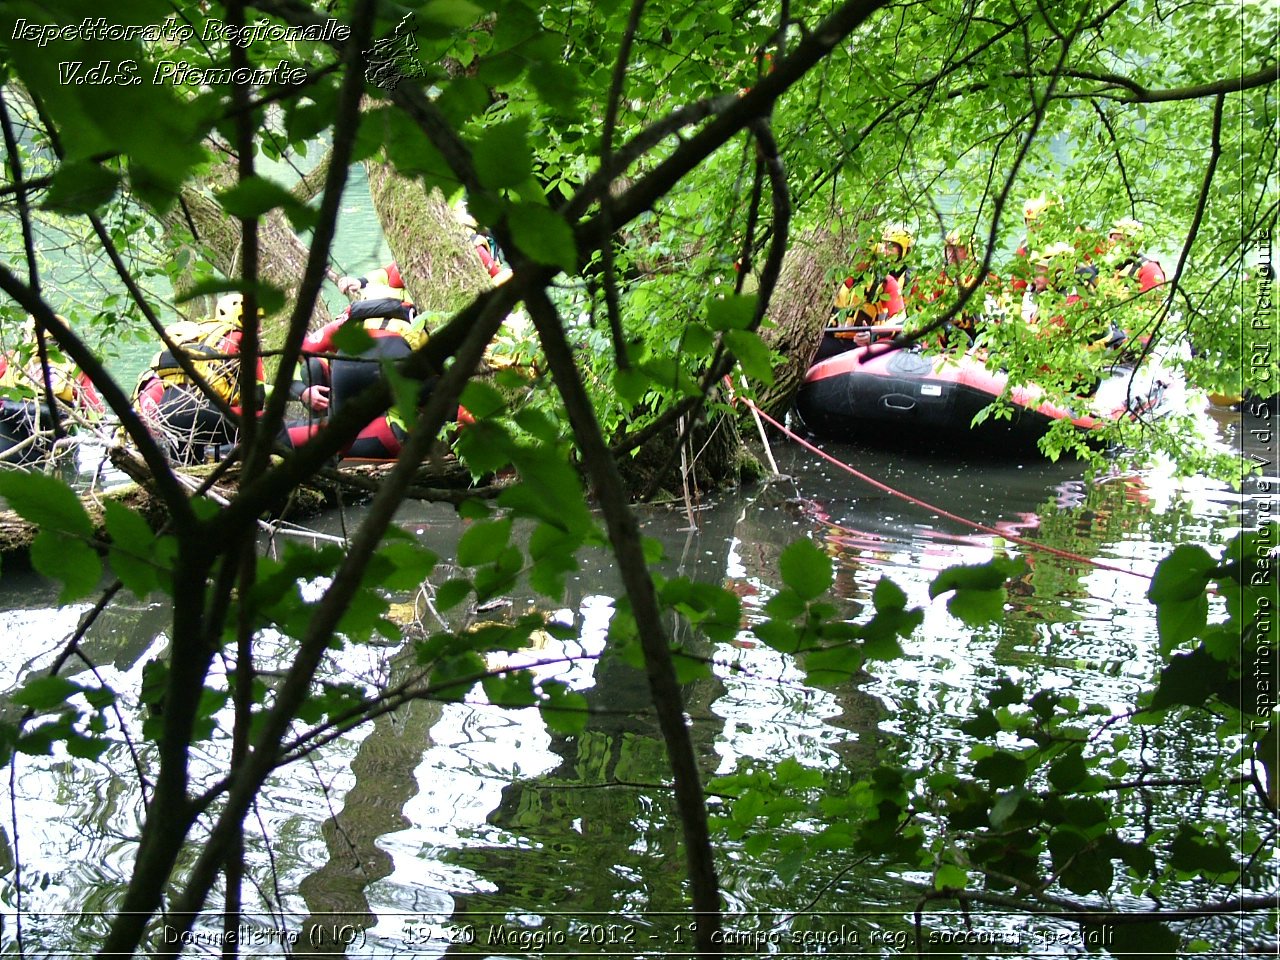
x=464 y=822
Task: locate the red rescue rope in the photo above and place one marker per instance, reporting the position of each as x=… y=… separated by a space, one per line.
x=1021 y=541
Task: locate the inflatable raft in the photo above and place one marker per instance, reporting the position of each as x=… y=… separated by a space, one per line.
x=25 y=434
x=904 y=396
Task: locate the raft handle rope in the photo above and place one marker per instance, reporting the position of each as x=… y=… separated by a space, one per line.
x=938 y=511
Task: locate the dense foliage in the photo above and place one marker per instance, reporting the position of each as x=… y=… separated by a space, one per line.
x=644 y=167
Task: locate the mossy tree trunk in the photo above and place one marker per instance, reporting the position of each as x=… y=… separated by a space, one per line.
x=799 y=310
x=714 y=457
x=440 y=268
x=200 y=226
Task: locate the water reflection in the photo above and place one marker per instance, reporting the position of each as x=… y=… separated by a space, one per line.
x=462 y=813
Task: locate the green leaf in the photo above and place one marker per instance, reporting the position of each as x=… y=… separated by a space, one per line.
x=1190 y=679
x=1138 y=857
x=888 y=596
x=363 y=615
x=950 y=877
x=451 y=593
x=500 y=576
x=631 y=384
x=1192 y=851
x=450 y=13
x=538 y=424
x=80 y=187
x=715 y=610
x=984 y=577
x=1068 y=772
x=881 y=632
x=785 y=605
x=46 y=693
x=485 y=447
x=87 y=748
x=39 y=741
x=752 y=353
x=132 y=554
x=255 y=195
x=1006 y=694
x=1135 y=941
x=410 y=565
x=482 y=400
x=779 y=635
x=352 y=338
x=68 y=560
x=1082 y=866
x=514 y=689
x=45 y=501
x=1179 y=621
x=454 y=676
x=689 y=668
x=503 y=158
x=558 y=84
x=697 y=339
x=977 y=607
x=981 y=725
x=735 y=312
x=550 y=489
x=806 y=569
x=1006 y=806
x=1002 y=769
x=1182 y=575
x=563 y=710
x=463 y=98
x=833 y=666
x=474 y=508
x=543 y=235
x=553 y=552
x=500 y=69
x=1085 y=812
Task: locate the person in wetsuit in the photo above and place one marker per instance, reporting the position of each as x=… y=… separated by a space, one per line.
x=179 y=413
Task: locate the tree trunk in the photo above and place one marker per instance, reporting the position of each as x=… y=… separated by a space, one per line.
x=282 y=255
x=440 y=268
x=714 y=456
x=799 y=310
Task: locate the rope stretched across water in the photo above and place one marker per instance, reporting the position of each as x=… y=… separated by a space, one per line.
x=939 y=511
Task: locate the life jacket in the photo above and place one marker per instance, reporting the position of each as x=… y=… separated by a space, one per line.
x=205 y=343
x=69 y=385
x=869 y=303
x=381 y=284
x=1143 y=271
x=490 y=255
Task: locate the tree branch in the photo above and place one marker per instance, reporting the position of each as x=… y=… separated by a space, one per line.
x=613 y=307
x=665 y=691
x=1200 y=91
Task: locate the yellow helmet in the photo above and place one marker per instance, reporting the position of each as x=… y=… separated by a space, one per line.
x=1128 y=228
x=230 y=308
x=1032 y=209
x=900 y=234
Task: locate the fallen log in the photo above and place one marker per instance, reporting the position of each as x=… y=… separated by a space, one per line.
x=441 y=479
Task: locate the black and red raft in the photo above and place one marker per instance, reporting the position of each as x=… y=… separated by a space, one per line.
x=902 y=396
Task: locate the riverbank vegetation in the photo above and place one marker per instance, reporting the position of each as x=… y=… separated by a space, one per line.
x=677 y=189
